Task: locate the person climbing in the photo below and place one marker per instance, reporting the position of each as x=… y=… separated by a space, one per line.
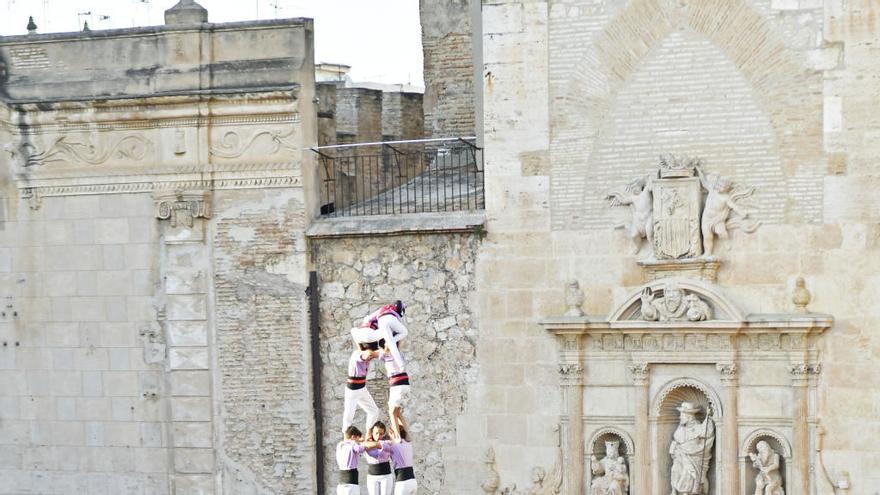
x=356 y=392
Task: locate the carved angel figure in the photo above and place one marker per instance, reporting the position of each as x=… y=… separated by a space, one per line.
x=723 y=198
x=638 y=196
x=766 y=461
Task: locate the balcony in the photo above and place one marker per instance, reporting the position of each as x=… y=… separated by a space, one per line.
x=398 y=177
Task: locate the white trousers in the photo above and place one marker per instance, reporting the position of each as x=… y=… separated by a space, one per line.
x=348 y=490
x=380 y=485
x=407 y=487
x=363 y=399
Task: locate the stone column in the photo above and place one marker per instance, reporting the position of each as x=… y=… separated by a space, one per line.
x=800 y=378
x=641 y=473
x=185 y=275
x=730 y=445
x=572 y=381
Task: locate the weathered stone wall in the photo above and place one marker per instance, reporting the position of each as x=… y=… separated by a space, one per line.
x=434 y=274
x=326 y=113
x=358 y=115
x=151 y=268
x=626 y=81
x=262 y=341
x=402 y=116
x=449 y=101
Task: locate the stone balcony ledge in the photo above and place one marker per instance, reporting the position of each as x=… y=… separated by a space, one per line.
x=401 y=224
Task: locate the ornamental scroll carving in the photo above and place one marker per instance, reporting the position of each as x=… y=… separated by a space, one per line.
x=680 y=209
x=232 y=145
x=92 y=151
x=183 y=208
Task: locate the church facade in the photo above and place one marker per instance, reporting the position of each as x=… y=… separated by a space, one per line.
x=671 y=288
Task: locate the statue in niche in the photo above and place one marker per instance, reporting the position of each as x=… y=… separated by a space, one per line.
x=691 y=451
x=766 y=461
x=674 y=305
x=722 y=199
x=610 y=475
x=637 y=195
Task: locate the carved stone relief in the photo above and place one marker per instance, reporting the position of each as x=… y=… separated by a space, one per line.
x=667 y=208
x=182 y=208
x=767 y=462
x=89 y=150
x=675 y=304
x=609 y=469
x=267 y=143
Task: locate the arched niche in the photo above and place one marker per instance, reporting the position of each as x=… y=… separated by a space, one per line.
x=722 y=308
x=778 y=443
x=596 y=446
x=665 y=419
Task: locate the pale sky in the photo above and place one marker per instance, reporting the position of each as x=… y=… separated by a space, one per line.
x=380 y=39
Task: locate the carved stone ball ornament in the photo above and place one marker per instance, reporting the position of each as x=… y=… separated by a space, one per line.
x=680 y=209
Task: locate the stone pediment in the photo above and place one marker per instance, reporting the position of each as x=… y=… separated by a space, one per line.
x=696 y=301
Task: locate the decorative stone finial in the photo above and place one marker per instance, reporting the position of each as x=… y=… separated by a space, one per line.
x=574 y=298
x=801 y=296
x=186 y=12
x=86 y=28
x=31 y=26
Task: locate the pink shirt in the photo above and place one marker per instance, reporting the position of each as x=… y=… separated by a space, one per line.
x=357 y=366
x=378 y=456
x=391 y=366
x=402 y=454
x=347 y=454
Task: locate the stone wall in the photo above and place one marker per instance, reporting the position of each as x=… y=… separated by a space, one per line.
x=151 y=269
x=402 y=116
x=434 y=274
x=358 y=115
x=80 y=411
x=262 y=342
x=447 y=44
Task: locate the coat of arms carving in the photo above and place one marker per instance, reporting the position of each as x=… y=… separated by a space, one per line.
x=680 y=209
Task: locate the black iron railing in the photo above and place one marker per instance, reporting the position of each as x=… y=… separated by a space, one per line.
x=415 y=176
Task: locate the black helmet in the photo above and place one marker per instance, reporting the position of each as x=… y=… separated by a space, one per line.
x=399 y=307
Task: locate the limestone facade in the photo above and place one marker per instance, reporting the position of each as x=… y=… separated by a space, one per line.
x=580 y=97
x=153 y=278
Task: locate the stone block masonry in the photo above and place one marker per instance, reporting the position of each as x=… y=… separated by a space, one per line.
x=434 y=274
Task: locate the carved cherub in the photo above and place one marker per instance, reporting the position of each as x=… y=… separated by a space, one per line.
x=722 y=199
x=638 y=196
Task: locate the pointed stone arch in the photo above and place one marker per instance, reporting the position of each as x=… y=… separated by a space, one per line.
x=786 y=90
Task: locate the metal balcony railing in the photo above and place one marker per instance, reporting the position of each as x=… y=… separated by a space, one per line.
x=412 y=176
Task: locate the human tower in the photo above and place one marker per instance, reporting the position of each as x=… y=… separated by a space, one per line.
x=378 y=337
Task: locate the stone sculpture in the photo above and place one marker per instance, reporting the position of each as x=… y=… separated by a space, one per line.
x=766 y=461
x=801 y=296
x=637 y=195
x=574 y=297
x=674 y=305
x=610 y=475
x=723 y=199
x=691 y=451
x=667 y=209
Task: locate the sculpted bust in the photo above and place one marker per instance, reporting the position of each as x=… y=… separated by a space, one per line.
x=674 y=305
x=691 y=451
